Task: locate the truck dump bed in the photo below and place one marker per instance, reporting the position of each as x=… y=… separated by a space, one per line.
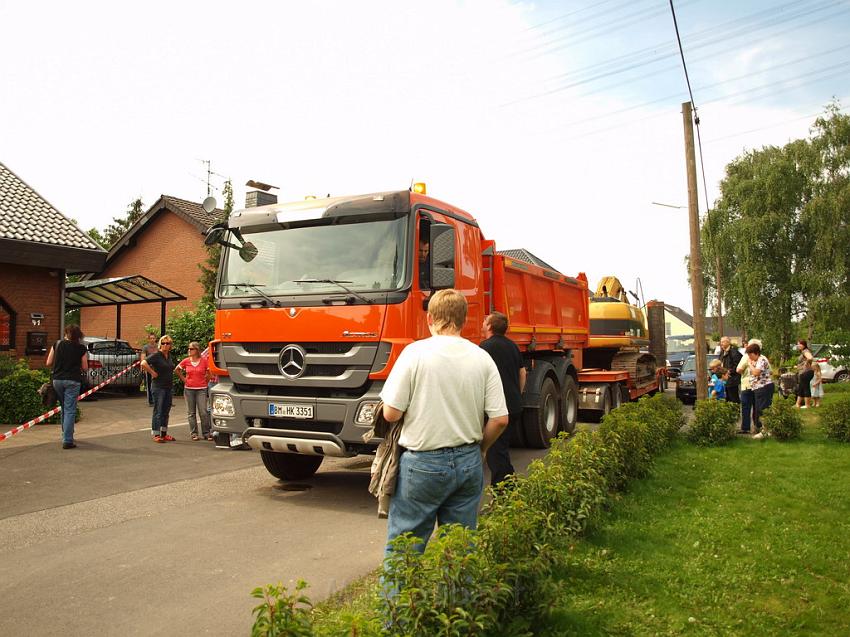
x=546 y=310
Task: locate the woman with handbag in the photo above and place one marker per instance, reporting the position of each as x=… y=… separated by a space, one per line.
x=68 y=359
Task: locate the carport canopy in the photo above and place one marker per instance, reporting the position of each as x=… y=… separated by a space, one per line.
x=118 y=291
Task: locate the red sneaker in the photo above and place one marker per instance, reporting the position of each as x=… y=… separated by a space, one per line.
x=167 y=438
x=158 y=439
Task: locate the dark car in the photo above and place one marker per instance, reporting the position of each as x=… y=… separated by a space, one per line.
x=107 y=357
x=678 y=350
x=686 y=387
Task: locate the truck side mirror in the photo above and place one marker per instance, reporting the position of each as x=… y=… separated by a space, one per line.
x=442 y=256
x=215 y=235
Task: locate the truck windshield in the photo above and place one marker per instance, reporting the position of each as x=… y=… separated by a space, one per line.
x=363 y=257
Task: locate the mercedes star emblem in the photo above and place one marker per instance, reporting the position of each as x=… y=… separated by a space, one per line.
x=292 y=361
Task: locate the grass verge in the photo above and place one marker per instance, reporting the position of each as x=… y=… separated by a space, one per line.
x=748 y=539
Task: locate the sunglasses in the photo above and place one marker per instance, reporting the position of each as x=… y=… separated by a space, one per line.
x=167 y=343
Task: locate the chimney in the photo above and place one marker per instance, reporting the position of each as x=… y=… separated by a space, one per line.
x=254 y=198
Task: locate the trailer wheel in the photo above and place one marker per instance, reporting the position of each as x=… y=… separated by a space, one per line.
x=624 y=395
x=569 y=405
x=541 y=423
x=616 y=396
x=290 y=466
x=596 y=415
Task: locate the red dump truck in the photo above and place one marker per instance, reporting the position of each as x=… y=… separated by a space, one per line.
x=316 y=299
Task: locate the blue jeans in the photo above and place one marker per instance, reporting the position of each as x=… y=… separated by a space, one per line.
x=442 y=486
x=161 y=409
x=67 y=391
x=763 y=397
x=747 y=403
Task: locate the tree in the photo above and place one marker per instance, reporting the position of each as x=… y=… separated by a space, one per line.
x=119 y=225
x=209 y=268
x=780 y=237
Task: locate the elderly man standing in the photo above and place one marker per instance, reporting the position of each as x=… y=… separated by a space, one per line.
x=443 y=386
x=729 y=358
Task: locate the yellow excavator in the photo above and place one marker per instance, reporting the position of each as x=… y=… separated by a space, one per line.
x=618 y=333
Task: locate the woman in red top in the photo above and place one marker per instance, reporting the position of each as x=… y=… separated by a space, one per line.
x=193 y=371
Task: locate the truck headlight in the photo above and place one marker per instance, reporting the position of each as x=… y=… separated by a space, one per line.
x=366 y=412
x=222 y=405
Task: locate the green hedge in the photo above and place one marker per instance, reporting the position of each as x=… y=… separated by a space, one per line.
x=714 y=422
x=835 y=419
x=498 y=580
x=19 y=397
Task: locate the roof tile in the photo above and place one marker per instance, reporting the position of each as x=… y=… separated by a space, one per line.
x=27 y=216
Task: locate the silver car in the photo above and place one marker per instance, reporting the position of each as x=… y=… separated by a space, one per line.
x=831 y=369
x=107 y=357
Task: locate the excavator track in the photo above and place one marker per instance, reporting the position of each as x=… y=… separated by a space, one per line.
x=641 y=366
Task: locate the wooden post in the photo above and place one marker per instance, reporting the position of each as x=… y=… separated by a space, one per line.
x=695 y=259
x=117 y=320
x=162 y=319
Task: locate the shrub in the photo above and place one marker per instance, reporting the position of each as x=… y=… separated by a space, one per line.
x=451 y=589
x=782 y=421
x=714 y=422
x=19 y=397
x=282 y=614
x=835 y=419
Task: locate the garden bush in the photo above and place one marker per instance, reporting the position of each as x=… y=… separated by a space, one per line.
x=714 y=422
x=782 y=420
x=498 y=580
x=19 y=397
x=835 y=419
x=281 y=613
x=450 y=589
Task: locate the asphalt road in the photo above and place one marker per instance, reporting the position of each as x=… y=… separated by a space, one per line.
x=125 y=537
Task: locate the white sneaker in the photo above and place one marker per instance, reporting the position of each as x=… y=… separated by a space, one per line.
x=758 y=436
x=803 y=407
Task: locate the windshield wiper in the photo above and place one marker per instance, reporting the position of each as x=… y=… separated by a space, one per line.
x=256 y=289
x=338 y=283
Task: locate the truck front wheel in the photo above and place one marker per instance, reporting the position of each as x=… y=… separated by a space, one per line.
x=290 y=466
x=541 y=424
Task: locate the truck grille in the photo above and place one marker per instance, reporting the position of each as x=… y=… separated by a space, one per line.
x=326 y=365
x=310 y=348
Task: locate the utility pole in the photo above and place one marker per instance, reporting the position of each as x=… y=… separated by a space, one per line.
x=695 y=259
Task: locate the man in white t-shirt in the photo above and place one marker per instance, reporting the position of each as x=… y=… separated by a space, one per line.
x=443 y=386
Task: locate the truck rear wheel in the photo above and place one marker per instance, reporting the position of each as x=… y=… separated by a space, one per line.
x=290 y=466
x=616 y=397
x=541 y=424
x=569 y=405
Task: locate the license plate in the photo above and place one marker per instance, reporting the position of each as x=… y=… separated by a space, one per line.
x=286 y=410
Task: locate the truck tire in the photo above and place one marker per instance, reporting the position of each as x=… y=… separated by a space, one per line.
x=569 y=405
x=541 y=424
x=616 y=396
x=290 y=466
x=624 y=395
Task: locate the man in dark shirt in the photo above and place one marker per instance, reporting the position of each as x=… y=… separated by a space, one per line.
x=508 y=359
x=424 y=278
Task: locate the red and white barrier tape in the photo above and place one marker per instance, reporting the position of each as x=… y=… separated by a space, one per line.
x=56 y=410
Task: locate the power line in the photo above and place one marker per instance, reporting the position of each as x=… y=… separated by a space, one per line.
x=610 y=68
x=696 y=114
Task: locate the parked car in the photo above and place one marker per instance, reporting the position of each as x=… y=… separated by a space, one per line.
x=678 y=350
x=831 y=369
x=107 y=357
x=686 y=383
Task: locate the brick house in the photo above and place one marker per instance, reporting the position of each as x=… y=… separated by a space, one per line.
x=32 y=234
x=165 y=245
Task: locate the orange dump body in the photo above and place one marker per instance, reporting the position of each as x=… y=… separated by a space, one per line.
x=546 y=310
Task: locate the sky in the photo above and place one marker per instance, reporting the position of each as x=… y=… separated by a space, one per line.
x=556 y=124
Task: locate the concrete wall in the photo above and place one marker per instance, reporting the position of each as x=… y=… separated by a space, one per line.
x=169 y=251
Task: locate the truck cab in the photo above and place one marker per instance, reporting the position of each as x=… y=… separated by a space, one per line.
x=315 y=301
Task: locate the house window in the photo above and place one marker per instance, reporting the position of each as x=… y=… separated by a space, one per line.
x=668 y=328
x=7 y=326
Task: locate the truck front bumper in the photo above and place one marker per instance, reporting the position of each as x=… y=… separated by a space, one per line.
x=331 y=431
